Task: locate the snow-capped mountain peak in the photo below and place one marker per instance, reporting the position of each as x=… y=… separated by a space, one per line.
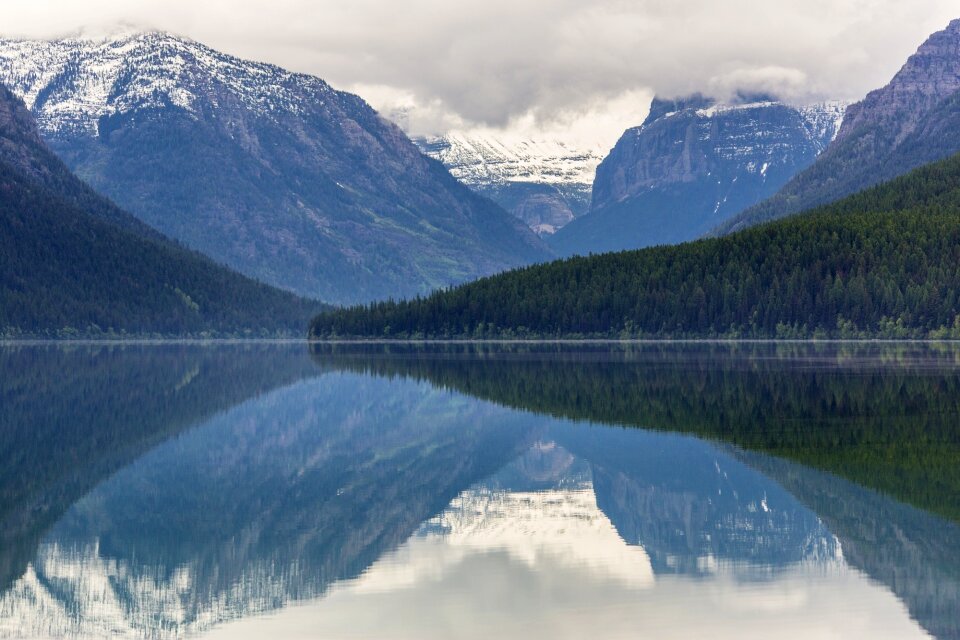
x=71 y=84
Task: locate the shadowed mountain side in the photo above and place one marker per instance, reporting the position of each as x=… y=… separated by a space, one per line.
x=22 y=147
x=71 y=260
x=913 y=552
x=74 y=415
x=884 y=417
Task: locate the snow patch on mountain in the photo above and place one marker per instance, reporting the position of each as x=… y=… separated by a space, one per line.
x=544 y=182
x=483 y=158
x=823 y=120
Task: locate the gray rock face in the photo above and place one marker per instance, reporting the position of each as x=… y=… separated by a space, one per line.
x=692 y=164
x=929 y=76
x=273 y=173
x=912 y=121
x=545 y=208
x=547 y=211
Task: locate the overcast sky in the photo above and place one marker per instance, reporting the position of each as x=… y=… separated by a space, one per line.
x=585 y=69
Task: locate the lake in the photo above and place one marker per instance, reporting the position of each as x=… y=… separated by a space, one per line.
x=281 y=490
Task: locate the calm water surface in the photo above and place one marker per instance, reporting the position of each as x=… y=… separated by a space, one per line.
x=281 y=491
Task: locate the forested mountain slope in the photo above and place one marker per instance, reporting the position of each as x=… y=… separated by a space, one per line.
x=885 y=262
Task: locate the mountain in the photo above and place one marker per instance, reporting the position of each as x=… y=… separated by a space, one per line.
x=683 y=500
x=273 y=173
x=880 y=263
x=693 y=163
x=545 y=183
x=912 y=121
x=70 y=259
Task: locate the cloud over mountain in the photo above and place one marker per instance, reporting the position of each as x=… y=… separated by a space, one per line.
x=493 y=62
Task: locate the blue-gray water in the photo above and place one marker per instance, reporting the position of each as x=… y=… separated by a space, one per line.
x=258 y=490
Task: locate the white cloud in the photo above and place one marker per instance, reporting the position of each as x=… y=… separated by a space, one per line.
x=497 y=63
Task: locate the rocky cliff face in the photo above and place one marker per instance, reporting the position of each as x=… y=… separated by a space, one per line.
x=694 y=163
x=273 y=173
x=546 y=184
x=912 y=121
x=928 y=77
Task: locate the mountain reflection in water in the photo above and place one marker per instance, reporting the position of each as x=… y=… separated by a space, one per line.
x=343 y=504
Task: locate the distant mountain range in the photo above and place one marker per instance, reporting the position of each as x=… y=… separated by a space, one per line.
x=72 y=262
x=694 y=163
x=912 y=121
x=275 y=174
x=545 y=183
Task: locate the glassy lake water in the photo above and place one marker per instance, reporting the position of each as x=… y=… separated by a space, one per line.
x=281 y=491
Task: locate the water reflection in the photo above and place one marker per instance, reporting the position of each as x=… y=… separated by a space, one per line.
x=324 y=501
x=510 y=558
x=72 y=415
x=882 y=415
x=267 y=503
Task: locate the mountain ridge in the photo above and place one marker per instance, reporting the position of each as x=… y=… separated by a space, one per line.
x=545 y=183
x=694 y=162
x=275 y=174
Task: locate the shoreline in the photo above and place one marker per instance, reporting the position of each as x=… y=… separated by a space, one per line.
x=554 y=341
